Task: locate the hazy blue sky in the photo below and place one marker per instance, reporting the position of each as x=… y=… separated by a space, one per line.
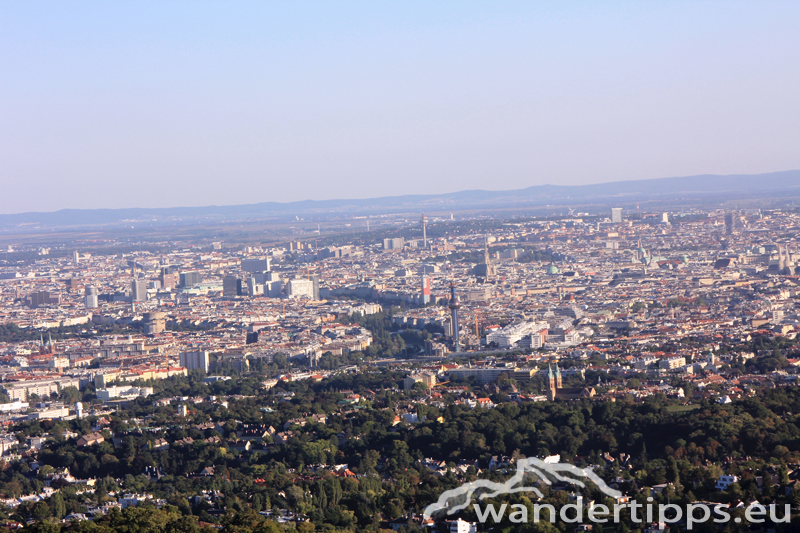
x=138 y=104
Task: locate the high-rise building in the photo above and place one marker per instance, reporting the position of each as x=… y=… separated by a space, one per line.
x=426 y=290
x=139 y=290
x=396 y=243
x=191 y=278
x=76 y=257
x=616 y=215
x=315 y=284
x=254 y=288
x=301 y=288
x=167 y=281
x=665 y=218
x=266 y=277
x=231 y=286
x=197 y=360
x=424 y=231
x=90 y=300
x=255 y=265
x=273 y=289
x=168 y=277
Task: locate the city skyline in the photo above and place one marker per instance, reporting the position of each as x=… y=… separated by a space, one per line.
x=418 y=347
x=291 y=267
x=773 y=189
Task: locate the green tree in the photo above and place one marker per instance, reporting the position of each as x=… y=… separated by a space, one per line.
x=57 y=506
x=258 y=502
x=41 y=511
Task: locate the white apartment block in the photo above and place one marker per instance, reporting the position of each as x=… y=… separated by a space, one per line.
x=301 y=288
x=197 y=360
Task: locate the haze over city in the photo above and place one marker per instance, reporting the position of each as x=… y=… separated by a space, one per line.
x=153 y=104
x=445 y=267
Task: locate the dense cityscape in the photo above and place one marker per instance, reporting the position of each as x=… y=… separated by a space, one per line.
x=400 y=267
x=344 y=385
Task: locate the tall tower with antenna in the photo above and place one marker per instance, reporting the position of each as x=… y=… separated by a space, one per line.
x=487 y=258
x=133 y=289
x=424 y=231
x=454 y=306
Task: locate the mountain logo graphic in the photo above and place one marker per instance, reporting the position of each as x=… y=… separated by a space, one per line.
x=529 y=471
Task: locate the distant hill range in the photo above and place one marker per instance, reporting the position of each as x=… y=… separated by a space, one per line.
x=687 y=190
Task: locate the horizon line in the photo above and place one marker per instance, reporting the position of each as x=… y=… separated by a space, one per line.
x=341 y=199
